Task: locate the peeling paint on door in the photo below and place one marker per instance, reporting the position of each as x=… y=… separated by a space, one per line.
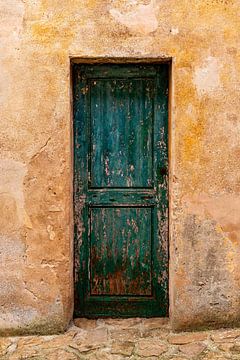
x=121 y=191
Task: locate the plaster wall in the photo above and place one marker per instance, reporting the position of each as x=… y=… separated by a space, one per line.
x=38 y=38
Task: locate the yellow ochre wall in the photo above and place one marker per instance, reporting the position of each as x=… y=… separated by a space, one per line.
x=38 y=38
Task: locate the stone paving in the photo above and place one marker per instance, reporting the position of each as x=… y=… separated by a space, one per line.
x=123 y=339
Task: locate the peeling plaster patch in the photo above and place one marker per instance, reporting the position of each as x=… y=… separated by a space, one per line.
x=12 y=174
x=12 y=17
x=11 y=250
x=55 y=208
x=206 y=78
x=224 y=209
x=51 y=232
x=143 y=20
x=174 y=31
x=18 y=315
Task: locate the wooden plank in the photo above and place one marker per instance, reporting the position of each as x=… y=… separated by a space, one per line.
x=105 y=197
x=129 y=125
x=116 y=70
x=121 y=251
x=121 y=133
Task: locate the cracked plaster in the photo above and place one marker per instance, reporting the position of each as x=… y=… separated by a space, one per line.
x=37 y=40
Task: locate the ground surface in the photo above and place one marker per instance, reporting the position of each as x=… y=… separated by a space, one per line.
x=123 y=339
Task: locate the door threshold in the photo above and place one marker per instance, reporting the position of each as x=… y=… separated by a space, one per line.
x=121 y=323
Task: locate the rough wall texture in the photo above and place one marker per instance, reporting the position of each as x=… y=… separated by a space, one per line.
x=37 y=39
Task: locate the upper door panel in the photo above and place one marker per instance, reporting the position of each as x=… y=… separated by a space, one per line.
x=121 y=133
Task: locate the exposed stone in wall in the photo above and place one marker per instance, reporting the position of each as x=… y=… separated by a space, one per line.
x=37 y=40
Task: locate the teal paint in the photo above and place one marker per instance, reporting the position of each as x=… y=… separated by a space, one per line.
x=121 y=190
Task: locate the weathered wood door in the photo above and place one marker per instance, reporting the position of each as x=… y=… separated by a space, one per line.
x=120 y=190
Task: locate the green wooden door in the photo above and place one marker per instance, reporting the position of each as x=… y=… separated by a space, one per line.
x=120 y=190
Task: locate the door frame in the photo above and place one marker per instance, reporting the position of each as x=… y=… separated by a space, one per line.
x=123 y=61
